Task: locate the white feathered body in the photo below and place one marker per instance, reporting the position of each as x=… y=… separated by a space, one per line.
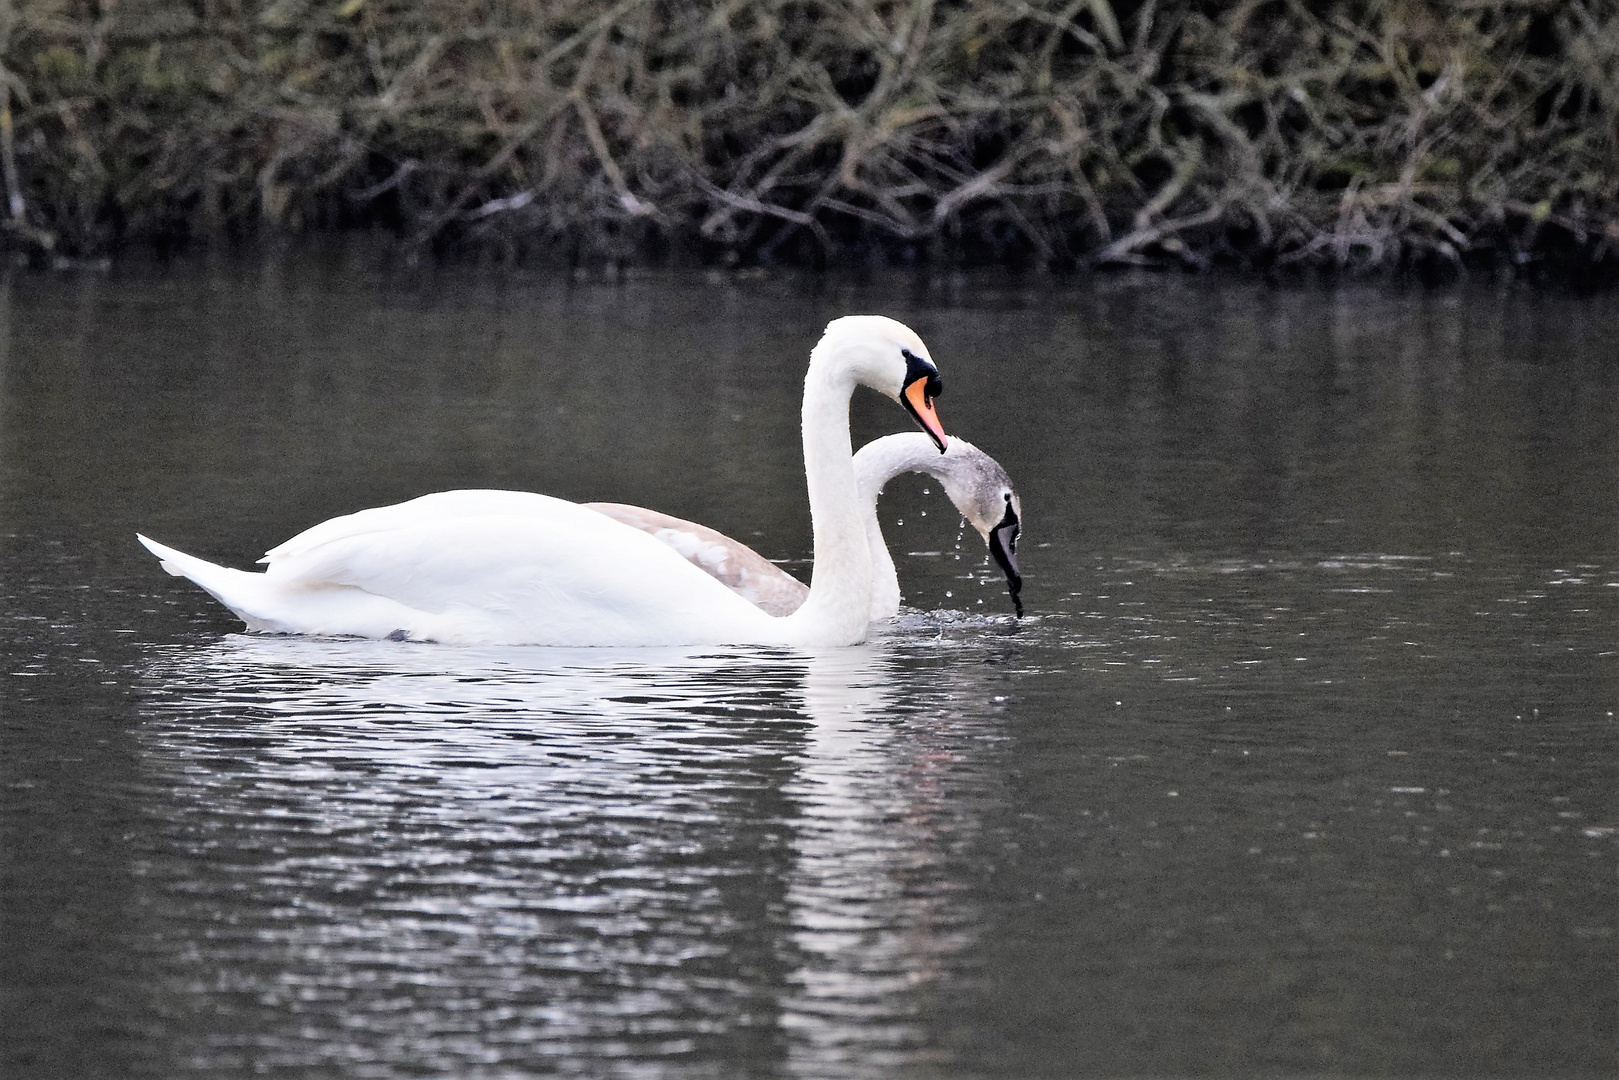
x=509 y=567
x=505 y=567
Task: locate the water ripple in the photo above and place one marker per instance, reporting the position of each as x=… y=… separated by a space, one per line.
x=519 y=858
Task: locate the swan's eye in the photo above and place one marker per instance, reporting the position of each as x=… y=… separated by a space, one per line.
x=918 y=368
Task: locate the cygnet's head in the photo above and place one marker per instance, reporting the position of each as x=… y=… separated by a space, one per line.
x=889 y=357
x=983 y=493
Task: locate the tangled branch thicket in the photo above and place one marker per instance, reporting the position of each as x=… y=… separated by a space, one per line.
x=1063 y=132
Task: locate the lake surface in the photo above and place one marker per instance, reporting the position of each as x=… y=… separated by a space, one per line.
x=1304 y=761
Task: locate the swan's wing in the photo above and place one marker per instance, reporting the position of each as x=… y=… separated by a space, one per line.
x=420 y=510
x=555 y=574
x=741 y=569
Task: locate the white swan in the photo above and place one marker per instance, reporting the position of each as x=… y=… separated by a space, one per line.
x=507 y=567
x=972 y=479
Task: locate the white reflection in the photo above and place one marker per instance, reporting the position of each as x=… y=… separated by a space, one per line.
x=685 y=855
x=876 y=917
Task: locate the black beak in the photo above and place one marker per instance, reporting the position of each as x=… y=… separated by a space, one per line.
x=1003 y=546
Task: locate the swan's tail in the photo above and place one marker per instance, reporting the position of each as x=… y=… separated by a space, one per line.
x=244 y=593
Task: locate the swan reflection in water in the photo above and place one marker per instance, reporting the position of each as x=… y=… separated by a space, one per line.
x=412 y=857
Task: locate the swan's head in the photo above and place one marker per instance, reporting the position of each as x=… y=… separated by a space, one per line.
x=983 y=493
x=888 y=357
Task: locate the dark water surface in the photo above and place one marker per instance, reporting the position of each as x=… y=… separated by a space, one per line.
x=1304 y=763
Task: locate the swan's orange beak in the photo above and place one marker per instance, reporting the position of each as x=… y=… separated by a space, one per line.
x=919 y=403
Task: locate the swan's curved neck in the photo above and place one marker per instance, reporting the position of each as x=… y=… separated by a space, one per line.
x=878 y=462
x=839 y=605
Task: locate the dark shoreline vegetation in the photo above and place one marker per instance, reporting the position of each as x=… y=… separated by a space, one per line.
x=1270 y=134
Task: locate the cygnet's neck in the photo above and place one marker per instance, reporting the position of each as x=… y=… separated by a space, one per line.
x=839 y=605
x=878 y=462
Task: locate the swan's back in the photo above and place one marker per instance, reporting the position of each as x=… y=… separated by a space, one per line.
x=741 y=569
x=497 y=566
x=469 y=502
